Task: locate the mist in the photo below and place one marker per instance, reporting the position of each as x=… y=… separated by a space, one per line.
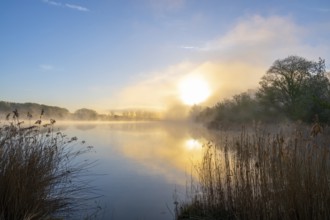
x=230 y=64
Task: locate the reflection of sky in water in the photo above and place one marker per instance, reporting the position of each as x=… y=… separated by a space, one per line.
x=143 y=164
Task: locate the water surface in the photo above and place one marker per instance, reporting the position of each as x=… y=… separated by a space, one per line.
x=145 y=165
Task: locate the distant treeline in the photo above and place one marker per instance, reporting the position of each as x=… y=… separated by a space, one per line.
x=293 y=89
x=33 y=110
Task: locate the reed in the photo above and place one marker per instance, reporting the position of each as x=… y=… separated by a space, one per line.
x=40 y=171
x=259 y=175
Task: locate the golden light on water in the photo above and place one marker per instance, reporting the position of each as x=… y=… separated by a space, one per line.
x=193 y=144
x=194 y=90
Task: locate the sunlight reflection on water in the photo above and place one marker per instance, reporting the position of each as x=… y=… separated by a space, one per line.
x=193 y=144
x=143 y=163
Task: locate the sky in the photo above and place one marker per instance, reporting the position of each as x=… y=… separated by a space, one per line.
x=112 y=54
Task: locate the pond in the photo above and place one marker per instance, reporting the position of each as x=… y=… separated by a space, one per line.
x=143 y=166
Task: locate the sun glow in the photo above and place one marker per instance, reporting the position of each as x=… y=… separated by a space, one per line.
x=194 y=90
x=193 y=144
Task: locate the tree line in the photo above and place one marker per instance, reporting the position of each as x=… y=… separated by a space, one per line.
x=293 y=88
x=32 y=110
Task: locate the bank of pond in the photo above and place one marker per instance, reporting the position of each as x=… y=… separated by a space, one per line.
x=155 y=170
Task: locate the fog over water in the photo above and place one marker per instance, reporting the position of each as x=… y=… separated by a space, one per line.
x=142 y=165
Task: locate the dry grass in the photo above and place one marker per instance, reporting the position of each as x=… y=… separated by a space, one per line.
x=39 y=172
x=258 y=175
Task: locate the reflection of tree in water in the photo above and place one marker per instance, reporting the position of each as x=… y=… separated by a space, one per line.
x=197 y=131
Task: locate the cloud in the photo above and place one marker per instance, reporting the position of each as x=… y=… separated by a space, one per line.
x=190 y=47
x=256 y=35
x=70 y=6
x=232 y=63
x=77 y=7
x=53 y=3
x=262 y=40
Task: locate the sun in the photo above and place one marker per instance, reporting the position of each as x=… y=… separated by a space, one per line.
x=194 y=90
x=192 y=144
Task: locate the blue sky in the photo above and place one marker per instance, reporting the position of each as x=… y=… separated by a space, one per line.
x=117 y=54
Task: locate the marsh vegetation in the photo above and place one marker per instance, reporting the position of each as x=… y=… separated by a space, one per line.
x=41 y=175
x=256 y=174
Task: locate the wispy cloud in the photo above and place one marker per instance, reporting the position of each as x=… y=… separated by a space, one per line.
x=65 y=5
x=77 y=7
x=190 y=47
x=262 y=40
x=257 y=31
x=53 y=3
x=255 y=35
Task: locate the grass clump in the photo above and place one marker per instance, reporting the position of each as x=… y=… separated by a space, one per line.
x=258 y=175
x=40 y=171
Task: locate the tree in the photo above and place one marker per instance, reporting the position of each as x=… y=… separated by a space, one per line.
x=291 y=86
x=316 y=98
x=85 y=114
